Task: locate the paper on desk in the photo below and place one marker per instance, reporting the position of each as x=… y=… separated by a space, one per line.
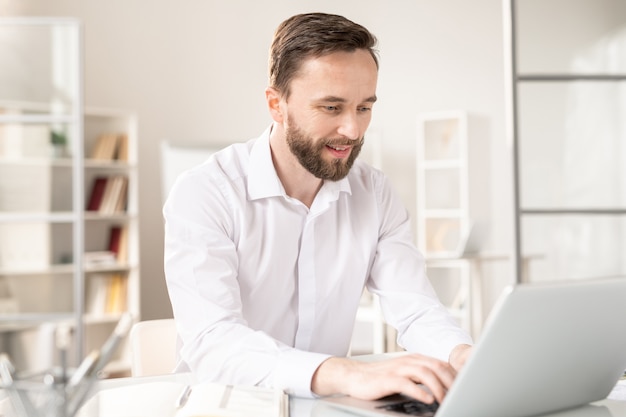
x=619 y=391
x=216 y=400
x=151 y=399
x=158 y=399
x=5 y=405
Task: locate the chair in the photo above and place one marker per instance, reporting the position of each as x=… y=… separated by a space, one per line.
x=176 y=158
x=153 y=347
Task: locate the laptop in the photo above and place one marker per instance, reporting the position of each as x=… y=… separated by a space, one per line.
x=545 y=347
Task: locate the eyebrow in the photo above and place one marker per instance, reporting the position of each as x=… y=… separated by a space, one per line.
x=334 y=99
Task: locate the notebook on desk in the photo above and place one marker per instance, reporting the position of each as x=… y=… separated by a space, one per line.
x=545 y=347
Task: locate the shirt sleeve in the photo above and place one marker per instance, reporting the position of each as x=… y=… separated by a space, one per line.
x=201 y=274
x=408 y=300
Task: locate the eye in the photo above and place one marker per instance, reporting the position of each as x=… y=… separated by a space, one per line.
x=364 y=109
x=331 y=108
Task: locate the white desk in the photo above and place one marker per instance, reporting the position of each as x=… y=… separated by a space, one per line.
x=300 y=407
x=120 y=392
x=468 y=302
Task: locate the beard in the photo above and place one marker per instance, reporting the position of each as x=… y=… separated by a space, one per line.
x=309 y=154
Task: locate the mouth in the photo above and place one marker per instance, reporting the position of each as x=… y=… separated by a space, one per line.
x=339 y=151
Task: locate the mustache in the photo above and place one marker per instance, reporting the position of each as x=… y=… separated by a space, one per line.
x=344 y=142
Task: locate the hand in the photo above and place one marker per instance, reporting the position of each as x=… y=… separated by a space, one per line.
x=372 y=380
x=459 y=356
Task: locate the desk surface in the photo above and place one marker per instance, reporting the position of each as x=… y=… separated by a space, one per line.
x=300 y=407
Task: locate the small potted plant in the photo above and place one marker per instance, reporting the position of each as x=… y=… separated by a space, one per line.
x=59 y=142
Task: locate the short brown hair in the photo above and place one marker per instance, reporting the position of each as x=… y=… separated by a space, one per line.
x=313 y=35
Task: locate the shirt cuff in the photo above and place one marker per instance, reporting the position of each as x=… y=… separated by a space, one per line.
x=295 y=371
x=441 y=349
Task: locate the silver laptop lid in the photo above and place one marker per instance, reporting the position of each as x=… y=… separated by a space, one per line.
x=545 y=347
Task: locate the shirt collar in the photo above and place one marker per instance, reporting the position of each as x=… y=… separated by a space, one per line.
x=263 y=180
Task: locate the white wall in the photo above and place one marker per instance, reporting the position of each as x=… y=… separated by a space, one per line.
x=196 y=71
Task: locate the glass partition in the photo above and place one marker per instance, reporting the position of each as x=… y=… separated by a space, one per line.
x=568 y=132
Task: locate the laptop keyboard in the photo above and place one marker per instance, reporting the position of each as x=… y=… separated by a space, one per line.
x=412 y=408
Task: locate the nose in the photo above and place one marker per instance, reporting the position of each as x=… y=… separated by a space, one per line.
x=349 y=126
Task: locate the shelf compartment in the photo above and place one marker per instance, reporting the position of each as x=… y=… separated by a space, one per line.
x=29 y=300
x=442 y=235
x=441 y=139
x=442 y=189
x=29 y=188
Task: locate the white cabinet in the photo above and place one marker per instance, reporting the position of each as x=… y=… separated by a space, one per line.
x=442 y=183
x=52 y=250
x=450 y=225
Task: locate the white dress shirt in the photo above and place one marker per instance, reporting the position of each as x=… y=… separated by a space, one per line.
x=265 y=289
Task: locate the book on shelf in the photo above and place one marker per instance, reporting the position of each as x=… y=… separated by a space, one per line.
x=118 y=243
x=122 y=195
x=116 y=295
x=97 y=192
x=122 y=254
x=95 y=298
x=109 y=199
x=105 y=147
x=122 y=147
x=99 y=258
x=106 y=293
x=111 y=146
x=109 y=194
x=205 y=399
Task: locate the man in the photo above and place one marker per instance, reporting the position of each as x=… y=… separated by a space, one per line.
x=270 y=243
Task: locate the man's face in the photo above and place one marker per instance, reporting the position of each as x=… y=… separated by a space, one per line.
x=328 y=111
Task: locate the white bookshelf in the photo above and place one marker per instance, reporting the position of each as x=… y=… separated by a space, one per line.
x=443 y=212
x=101 y=320
x=442 y=182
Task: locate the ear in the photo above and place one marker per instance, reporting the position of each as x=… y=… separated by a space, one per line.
x=274 y=99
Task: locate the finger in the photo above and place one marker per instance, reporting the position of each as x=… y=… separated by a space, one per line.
x=444 y=371
x=436 y=376
x=432 y=385
x=418 y=392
